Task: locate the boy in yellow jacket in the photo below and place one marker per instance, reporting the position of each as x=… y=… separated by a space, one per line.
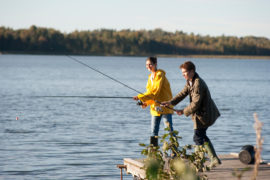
x=157 y=90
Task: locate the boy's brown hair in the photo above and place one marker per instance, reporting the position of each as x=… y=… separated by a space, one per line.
x=152 y=59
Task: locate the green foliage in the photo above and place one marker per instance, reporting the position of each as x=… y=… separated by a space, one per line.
x=173 y=161
x=127 y=42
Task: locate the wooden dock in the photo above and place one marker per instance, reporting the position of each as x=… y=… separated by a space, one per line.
x=230 y=163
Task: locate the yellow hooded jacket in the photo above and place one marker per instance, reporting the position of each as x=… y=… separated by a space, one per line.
x=159 y=90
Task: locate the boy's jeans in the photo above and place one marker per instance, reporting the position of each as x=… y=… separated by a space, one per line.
x=155 y=122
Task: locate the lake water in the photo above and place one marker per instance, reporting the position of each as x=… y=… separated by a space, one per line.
x=84 y=138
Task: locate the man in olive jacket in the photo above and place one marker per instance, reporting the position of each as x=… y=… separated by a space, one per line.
x=202 y=108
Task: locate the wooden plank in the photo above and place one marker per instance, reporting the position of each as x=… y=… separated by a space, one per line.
x=230 y=163
x=135 y=167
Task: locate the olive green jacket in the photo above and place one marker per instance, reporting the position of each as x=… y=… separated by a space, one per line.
x=202 y=108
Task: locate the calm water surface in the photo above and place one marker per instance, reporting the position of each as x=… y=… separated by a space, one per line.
x=84 y=138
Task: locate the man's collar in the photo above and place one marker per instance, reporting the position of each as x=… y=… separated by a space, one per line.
x=193 y=79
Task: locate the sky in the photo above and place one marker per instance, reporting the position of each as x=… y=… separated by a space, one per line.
x=201 y=17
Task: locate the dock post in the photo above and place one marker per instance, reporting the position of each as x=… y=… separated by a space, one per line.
x=121 y=166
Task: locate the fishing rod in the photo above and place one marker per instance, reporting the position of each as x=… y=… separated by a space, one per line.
x=98 y=71
x=168 y=107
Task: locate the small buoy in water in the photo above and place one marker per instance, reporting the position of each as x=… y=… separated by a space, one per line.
x=247 y=154
x=17 y=118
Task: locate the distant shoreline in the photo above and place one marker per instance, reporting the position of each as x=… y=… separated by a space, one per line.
x=158 y=55
x=218 y=56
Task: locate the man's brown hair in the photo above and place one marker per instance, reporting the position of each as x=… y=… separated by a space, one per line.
x=188 y=65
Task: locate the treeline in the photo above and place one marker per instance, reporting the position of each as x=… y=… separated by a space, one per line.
x=127 y=42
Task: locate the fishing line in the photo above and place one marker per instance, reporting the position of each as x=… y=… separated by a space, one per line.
x=98 y=71
x=99 y=97
x=74 y=59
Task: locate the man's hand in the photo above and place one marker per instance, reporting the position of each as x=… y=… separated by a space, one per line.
x=135 y=98
x=180 y=112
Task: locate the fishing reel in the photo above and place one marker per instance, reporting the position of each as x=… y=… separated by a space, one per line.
x=158 y=109
x=139 y=103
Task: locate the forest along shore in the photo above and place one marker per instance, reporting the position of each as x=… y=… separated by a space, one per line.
x=230 y=57
x=128 y=43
